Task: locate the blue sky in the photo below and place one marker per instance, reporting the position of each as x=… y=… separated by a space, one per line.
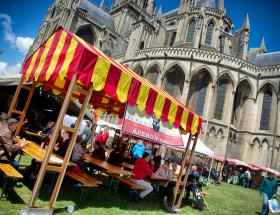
x=21 y=19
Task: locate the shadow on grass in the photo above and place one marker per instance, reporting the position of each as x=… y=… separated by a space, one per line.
x=98 y=197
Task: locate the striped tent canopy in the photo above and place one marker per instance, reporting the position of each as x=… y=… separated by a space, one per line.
x=64 y=54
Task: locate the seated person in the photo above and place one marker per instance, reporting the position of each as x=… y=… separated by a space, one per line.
x=164 y=171
x=138 y=150
x=140 y=171
x=9 y=147
x=78 y=153
x=115 y=156
x=48 y=130
x=98 y=151
x=61 y=148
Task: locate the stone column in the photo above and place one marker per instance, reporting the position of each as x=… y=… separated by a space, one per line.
x=185 y=92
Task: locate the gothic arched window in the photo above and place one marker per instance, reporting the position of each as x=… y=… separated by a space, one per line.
x=203 y=83
x=152 y=74
x=222 y=44
x=209 y=33
x=174 y=81
x=221 y=95
x=86 y=33
x=267 y=99
x=191 y=31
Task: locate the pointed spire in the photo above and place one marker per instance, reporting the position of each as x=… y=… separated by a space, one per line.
x=263 y=47
x=101 y=4
x=159 y=13
x=246 y=24
x=221 y=5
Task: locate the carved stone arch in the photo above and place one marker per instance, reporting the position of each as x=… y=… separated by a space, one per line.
x=212 y=130
x=155 y=63
x=87 y=33
x=169 y=66
x=256 y=141
x=139 y=69
x=265 y=141
x=268 y=84
x=225 y=74
x=220 y=132
x=249 y=82
x=201 y=68
x=211 y=20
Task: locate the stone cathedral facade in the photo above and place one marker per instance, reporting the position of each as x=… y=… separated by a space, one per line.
x=194 y=53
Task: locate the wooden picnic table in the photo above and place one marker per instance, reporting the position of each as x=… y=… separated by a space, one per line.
x=109 y=168
x=159 y=178
x=36 y=152
x=30 y=133
x=127 y=165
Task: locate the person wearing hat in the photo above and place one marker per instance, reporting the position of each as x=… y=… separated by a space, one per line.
x=268 y=189
x=9 y=147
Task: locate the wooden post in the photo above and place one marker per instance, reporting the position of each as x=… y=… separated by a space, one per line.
x=15 y=98
x=181 y=171
x=70 y=149
x=27 y=103
x=187 y=173
x=55 y=134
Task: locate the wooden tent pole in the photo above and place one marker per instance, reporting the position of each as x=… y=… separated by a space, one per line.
x=55 y=134
x=187 y=173
x=181 y=171
x=70 y=149
x=27 y=103
x=15 y=98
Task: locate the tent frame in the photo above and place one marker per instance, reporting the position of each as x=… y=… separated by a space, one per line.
x=74 y=87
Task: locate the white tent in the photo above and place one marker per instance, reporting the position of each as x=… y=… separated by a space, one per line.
x=10 y=80
x=200 y=148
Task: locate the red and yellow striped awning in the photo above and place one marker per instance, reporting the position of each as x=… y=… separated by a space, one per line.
x=63 y=54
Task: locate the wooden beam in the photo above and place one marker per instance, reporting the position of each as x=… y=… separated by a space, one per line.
x=81 y=90
x=27 y=103
x=187 y=175
x=15 y=98
x=54 y=168
x=70 y=149
x=67 y=128
x=55 y=134
x=181 y=171
x=17 y=112
x=26 y=87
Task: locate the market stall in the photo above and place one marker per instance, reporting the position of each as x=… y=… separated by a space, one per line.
x=68 y=66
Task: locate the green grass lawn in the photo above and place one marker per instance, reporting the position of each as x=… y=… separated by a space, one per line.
x=223 y=200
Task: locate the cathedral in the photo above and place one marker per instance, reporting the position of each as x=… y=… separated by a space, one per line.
x=196 y=54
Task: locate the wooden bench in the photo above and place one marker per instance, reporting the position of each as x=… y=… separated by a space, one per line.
x=86 y=181
x=10 y=175
x=134 y=188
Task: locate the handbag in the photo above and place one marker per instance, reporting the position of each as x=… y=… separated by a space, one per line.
x=273 y=206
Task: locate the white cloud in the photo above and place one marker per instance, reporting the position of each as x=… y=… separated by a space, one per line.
x=21 y=43
x=6 y=23
x=24 y=43
x=6 y=69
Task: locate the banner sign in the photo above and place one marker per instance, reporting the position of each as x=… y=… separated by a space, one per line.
x=140 y=124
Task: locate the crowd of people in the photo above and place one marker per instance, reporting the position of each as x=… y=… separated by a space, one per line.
x=148 y=161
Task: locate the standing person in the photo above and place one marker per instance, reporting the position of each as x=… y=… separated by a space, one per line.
x=138 y=151
x=247 y=178
x=140 y=171
x=268 y=189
